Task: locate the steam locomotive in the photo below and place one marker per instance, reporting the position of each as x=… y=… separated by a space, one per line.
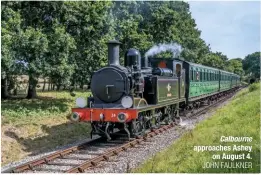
x=147 y=93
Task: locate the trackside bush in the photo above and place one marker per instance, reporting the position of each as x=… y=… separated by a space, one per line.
x=254 y=87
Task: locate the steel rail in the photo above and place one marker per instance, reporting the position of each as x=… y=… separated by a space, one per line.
x=48 y=158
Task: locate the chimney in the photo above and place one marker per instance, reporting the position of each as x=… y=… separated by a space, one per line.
x=114 y=52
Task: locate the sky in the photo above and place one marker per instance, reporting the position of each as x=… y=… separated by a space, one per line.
x=230 y=27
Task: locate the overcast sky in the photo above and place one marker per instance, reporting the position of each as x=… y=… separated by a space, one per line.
x=229 y=27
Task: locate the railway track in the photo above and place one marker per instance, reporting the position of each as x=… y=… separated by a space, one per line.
x=78 y=158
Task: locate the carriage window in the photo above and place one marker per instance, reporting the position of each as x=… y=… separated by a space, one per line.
x=196 y=75
x=191 y=74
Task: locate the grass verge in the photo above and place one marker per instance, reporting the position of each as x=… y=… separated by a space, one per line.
x=33 y=126
x=239 y=118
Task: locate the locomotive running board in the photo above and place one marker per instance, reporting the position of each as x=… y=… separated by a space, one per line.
x=150 y=107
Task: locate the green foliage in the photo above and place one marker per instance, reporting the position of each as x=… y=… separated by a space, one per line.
x=212 y=60
x=235 y=66
x=10 y=24
x=61 y=44
x=89 y=24
x=33 y=45
x=66 y=41
x=251 y=65
x=254 y=87
x=47 y=105
x=243 y=112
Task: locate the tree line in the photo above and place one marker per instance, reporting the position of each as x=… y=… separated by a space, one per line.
x=66 y=41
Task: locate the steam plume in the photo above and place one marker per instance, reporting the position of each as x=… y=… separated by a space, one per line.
x=172 y=47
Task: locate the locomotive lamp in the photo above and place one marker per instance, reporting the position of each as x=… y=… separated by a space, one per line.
x=101 y=116
x=75 y=117
x=122 y=117
x=81 y=102
x=126 y=102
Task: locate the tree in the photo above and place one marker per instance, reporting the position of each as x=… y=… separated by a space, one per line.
x=89 y=24
x=10 y=24
x=235 y=66
x=32 y=48
x=251 y=65
x=66 y=41
x=60 y=48
x=128 y=26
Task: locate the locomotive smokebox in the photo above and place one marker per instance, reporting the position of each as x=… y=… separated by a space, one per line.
x=114 y=52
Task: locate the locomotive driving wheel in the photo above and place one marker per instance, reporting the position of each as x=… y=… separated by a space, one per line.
x=157 y=121
x=137 y=127
x=168 y=118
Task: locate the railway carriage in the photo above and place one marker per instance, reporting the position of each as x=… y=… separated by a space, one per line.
x=202 y=80
x=136 y=96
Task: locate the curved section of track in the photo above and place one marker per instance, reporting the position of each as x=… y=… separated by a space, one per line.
x=77 y=159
